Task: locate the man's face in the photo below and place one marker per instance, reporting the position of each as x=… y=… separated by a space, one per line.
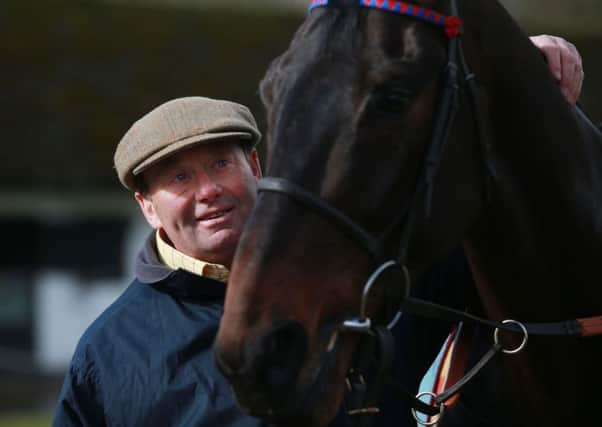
x=201 y=197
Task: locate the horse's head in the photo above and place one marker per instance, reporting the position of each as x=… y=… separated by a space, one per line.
x=351 y=109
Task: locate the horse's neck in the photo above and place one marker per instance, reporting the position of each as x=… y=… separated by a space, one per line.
x=543 y=226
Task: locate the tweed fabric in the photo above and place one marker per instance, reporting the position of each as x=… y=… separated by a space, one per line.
x=179 y=124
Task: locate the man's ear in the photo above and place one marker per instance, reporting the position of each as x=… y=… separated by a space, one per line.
x=255 y=164
x=148 y=210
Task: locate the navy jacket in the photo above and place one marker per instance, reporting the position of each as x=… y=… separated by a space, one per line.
x=148 y=360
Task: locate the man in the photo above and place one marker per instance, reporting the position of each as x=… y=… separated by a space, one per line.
x=147 y=360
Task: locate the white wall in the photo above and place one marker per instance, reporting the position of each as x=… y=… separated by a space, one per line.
x=65 y=305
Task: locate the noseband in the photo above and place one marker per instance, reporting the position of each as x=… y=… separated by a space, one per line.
x=374 y=245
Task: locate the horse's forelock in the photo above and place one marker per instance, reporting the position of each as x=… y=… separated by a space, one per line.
x=266 y=83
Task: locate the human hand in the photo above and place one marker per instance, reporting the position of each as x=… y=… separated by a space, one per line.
x=564 y=62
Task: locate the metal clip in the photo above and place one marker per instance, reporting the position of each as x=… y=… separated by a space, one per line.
x=362 y=325
x=435 y=418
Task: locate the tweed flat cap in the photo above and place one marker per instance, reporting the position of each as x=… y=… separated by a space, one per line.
x=179 y=124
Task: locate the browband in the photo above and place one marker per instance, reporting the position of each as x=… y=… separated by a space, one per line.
x=451 y=24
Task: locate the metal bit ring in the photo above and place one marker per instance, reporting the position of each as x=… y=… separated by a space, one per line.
x=522 y=344
x=436 y=418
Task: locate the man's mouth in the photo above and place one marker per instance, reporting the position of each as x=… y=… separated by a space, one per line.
x=215 y=215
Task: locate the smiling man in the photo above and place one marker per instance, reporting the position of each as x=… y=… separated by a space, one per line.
x=147 y=360
x=199 y=198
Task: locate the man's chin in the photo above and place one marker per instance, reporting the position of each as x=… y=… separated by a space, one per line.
x=219 y=247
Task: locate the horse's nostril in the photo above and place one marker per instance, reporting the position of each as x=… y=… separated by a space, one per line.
x=281 y=354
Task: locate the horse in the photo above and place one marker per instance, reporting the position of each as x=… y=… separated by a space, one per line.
x=374 y=152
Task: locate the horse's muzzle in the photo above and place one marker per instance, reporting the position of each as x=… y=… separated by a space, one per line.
x=264 y=371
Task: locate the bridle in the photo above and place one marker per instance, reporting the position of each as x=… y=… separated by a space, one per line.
x=374 y=245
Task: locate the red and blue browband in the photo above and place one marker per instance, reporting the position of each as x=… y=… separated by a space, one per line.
x=451 y=24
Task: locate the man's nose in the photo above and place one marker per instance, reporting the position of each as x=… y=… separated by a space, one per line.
x=207 y=188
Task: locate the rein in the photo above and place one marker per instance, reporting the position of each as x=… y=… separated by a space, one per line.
x=365 y=399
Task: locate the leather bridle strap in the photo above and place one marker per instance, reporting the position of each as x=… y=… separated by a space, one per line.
x=323 y=208
x=362 y=399
x=591 y=326
x=432 y=310
x=445 y=118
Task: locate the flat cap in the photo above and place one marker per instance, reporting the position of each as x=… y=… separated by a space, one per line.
x=179 y=124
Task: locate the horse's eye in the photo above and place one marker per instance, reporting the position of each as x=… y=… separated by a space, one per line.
x=387 y=100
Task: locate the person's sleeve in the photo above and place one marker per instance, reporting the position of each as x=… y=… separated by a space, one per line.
x=79 y=401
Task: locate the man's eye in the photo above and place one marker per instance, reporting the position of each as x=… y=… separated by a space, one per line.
x=221 y=163
x=180 y=177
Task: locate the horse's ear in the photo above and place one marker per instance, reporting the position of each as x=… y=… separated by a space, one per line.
x=266 y=85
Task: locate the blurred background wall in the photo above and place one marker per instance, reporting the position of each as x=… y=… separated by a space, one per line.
x=74 y=75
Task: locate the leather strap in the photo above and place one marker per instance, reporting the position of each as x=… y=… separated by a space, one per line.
x=364 y=398
x=309 y=200
x=447 y=394
x=591 y=326
x=565 y=328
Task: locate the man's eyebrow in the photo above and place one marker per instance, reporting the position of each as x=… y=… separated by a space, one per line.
x=163 y=167
x=168 y=163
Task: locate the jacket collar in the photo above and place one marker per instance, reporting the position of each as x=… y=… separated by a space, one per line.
x=175 y=259
x=181 y=283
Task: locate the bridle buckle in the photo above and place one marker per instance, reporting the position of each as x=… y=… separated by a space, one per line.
x=362 y=325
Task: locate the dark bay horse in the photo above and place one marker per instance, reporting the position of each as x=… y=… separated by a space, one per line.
x=353 y=107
